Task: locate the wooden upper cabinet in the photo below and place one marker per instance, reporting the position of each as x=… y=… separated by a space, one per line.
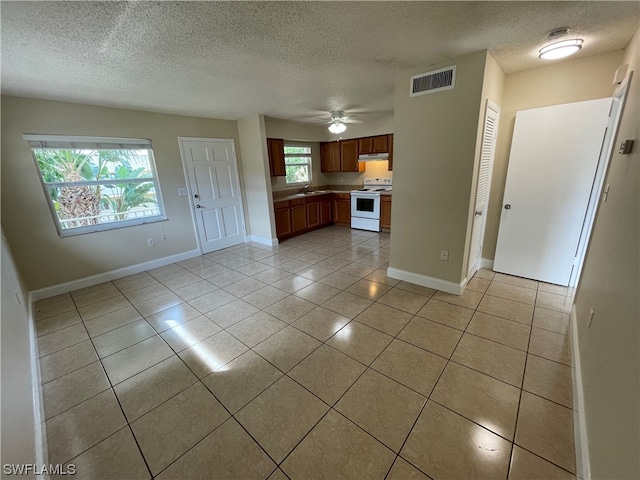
x=390 y=151
x=330 y=156
x=349 y=156
x=275 y=148
x=380 y=144
x=365 y=145
x=377 y=144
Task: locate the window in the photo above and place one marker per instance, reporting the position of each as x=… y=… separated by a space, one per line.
x=94 y=184
x=297 y=164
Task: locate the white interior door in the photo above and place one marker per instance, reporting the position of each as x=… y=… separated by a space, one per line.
x=554 y=154
x=489 y=135
x=214 y=189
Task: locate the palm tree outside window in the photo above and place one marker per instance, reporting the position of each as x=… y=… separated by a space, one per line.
x=94 y=184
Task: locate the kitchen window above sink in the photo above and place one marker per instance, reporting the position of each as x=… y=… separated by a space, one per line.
x=297 y=161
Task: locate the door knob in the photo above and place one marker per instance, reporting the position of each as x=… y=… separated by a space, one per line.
x=198 y=206
x=507 y=206
x=478 y=212
x=196 y=196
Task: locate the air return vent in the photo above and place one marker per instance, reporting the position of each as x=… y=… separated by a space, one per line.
x=431 y=82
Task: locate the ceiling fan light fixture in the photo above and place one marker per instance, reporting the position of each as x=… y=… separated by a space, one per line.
x=337 y=127
x=561 y=49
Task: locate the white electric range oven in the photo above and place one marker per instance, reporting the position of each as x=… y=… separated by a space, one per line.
x=365 y=204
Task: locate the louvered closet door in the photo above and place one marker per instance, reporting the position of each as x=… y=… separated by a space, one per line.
x=489 y=135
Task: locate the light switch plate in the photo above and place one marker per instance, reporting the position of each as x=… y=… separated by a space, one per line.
x=182 y=192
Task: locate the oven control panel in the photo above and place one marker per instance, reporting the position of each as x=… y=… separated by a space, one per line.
x=386 y=181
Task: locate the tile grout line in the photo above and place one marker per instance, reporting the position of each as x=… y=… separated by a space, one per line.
x=524 y=373
x=233 y=416
x=429 y=396
x=289 y=294
x=119 y=405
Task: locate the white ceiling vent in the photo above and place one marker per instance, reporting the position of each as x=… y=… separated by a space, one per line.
x=434 y=81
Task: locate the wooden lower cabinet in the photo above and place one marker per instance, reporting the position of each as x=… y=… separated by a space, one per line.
x=385 y=211
x=342 y=209
x=282 y=212
x=298 y=215
x=301 y=215
x=313 y=214
x=326 y=214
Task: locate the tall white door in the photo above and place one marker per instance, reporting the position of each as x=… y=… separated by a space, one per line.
x=554 y=154
x=214 y=189
x=487 y=153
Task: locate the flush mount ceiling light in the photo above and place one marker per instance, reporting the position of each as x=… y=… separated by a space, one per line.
x=560 y=49
x=337 y=125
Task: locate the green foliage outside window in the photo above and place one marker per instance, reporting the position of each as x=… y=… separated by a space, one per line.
x=297 y=161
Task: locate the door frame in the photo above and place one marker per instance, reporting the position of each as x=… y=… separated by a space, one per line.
x=606 y=153
x=190 y=197
x=472 y=269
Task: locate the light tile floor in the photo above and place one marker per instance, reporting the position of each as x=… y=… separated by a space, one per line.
x=306 y=361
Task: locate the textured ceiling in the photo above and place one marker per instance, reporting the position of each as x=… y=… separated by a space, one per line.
x=291 y=60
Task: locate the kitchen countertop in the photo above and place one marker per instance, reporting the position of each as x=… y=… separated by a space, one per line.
x=282 y=196
x=293 y=196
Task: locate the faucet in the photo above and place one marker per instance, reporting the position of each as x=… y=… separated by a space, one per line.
x=306 y=188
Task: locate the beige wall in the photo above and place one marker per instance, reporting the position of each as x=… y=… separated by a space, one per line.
x=20 y=387
x=257 y=186
x=289 y=130
x=564 y=82
x=610 y=284
x=434 y=158
x=492 y=90
x=276 y=128
x=43 y=258
x=367 y=128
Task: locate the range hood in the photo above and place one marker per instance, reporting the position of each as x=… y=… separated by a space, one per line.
x=373 y=157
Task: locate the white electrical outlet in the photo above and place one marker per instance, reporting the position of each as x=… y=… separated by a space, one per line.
x=151 y=242
x=444 y=255
x=591 y=313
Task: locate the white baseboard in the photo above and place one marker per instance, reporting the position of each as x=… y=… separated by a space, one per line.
x=272 y=242
x=486 y=263
x=425 y=281
x=583 y=469
x=41 y=450
x=47 y=292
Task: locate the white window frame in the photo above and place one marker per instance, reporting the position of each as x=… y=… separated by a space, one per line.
x=298 y=155
x=62 y=142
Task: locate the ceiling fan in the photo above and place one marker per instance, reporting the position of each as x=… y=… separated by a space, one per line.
x=338 y=120
x=337 y=124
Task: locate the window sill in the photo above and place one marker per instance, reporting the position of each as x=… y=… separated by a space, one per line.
x=72 y=232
